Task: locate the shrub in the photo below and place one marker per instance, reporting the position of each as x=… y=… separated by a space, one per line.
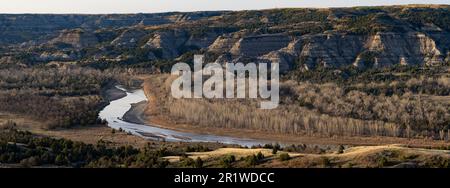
x=259 y=156
x=325 y=162
x=251 y=160
x=341 y=149
x=254 y=160
x=198 y=163
x=284 y=157
x=275 y=148
x=382 y=161
x=187 y=162
x=197 y=148
x=227 y=161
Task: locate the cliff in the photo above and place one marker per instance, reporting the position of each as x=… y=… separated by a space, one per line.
x=76 y=38
x=363 y=37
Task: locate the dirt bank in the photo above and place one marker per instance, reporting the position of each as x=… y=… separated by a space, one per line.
x=136 y=113
x=89 y=134
x=111 y=93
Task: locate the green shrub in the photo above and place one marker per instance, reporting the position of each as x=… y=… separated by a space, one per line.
x=382 y=161
x=251 y=160
x=259 y=156
x=198 y=163
x=227 y=161
x=284 y=157
x=341 y=149
x=187 y=162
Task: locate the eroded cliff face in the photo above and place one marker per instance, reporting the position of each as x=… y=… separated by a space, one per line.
x=253 y=46
x=76 y=38
x=57 y=56
x=410 y=48
x=335 y=49
x=294 y=38
x=223 y=43
x=166 y=42
x=329 y=49
x=129 y=38
x=201 y=41
x=285 y=57
x=172 y=44
x=24 y=27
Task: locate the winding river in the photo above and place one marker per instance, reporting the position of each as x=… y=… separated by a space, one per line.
x=114 y=112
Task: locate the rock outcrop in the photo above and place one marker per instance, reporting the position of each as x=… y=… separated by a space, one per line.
x=18 y=28
x=129 y=38
x=254 y=46
x=335 y=49
x=225 y=42
x=57 y=56
x=332 y=50
x=285 y=57
x=76 y=38
x=172 y=44
x=166 y=43
x=410 y=48
x=294 y=38
x=201 y=41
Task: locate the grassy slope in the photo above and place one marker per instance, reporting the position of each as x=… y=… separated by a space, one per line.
x=362 y=156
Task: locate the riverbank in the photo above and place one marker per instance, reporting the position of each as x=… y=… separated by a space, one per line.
x=91 y=134
x=110 y=93
x=87 y=134
x=154 y=115
x=136 y=113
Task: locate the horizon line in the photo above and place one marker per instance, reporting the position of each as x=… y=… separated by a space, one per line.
x=218 y=10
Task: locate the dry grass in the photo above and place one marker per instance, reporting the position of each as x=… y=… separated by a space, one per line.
x=237 y=152
x=333 y=114
x=88 y=134
x=159 y=106
x=363 y=156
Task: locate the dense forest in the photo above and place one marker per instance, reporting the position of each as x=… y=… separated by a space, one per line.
x=397 y=102
x=26 y=149
x=57 y=97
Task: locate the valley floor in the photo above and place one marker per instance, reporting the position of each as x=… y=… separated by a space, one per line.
x=88 y=134
x=359 y=151
x=150 y=113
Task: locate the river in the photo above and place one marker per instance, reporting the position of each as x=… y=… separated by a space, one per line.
x=114 y=112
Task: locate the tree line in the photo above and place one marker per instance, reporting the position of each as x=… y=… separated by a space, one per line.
x=316 y=109
x=24 y=148
x=57 y=96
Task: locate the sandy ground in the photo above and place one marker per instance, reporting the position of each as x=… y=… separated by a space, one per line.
x=136 y=113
